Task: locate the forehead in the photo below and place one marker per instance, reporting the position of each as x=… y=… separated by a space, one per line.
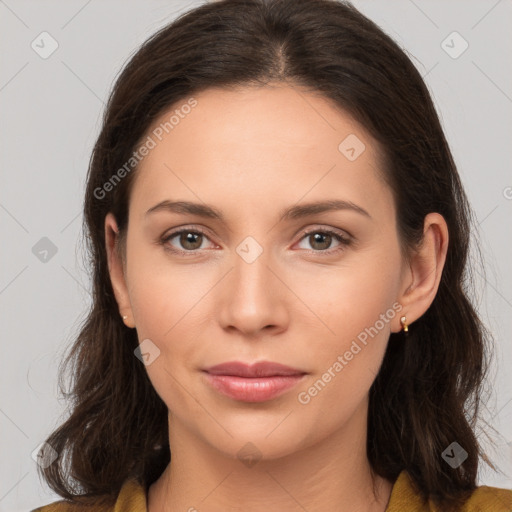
x=274 y=115
x=252 y=144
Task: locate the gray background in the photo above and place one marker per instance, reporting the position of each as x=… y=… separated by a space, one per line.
x=50 y=112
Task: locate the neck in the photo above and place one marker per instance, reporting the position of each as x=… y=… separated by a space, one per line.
x=332 y=475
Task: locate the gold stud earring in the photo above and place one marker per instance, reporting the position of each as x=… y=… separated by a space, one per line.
x=405 y=326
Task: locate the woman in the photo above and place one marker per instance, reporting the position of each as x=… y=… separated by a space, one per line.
x=229 y=362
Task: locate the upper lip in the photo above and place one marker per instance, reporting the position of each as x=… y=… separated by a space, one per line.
x=260 y=369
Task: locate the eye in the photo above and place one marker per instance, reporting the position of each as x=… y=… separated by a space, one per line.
x=190 y=240
x=321 y=240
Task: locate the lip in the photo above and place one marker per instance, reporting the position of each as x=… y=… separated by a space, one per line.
x=260 y=369
x=258 y=382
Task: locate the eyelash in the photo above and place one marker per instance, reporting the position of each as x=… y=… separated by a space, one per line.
x=343 y=240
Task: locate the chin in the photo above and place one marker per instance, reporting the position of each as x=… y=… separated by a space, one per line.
x=257 y=440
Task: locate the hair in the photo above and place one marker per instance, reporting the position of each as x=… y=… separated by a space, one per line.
x=427 y=393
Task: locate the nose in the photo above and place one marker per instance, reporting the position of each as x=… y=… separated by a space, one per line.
x=253 y=298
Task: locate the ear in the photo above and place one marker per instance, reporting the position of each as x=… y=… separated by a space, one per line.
x=422 y=275
x=116 y=270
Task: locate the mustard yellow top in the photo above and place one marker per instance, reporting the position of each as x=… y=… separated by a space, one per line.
x=133 y=498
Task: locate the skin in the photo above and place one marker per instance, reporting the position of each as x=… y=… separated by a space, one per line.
x=251 y=152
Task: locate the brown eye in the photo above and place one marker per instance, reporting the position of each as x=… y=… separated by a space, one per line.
x=188 y=241
x=321 y=240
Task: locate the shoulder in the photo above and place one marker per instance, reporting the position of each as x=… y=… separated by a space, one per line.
x=489 y=499
x=483 y=499
x=132 y=497
x=69 y=506
x=66 y=506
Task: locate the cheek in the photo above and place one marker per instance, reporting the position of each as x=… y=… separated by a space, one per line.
x=358 y=305
x=172 y=307
x=346 y=365
x=162 y=293
x=166 y=304
x=350 y=299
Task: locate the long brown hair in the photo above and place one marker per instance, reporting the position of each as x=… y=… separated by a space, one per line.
x=427 y=392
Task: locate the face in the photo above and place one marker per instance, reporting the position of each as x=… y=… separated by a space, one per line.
x=315 y=290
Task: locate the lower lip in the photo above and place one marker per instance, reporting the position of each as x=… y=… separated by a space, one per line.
x=257 y=389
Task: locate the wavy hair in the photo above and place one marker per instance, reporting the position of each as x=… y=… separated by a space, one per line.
x=429 y=387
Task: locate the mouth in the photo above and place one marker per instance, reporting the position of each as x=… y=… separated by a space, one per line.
x=258 y=382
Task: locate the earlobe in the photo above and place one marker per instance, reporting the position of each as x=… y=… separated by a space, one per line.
x=116 y=270
x=426 y=265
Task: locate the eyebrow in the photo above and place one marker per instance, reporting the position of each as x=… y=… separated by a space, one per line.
x=291 y=213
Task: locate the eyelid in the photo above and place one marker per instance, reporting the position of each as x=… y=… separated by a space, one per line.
x=191 y=229
x=345 y=238
x=327 y=229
